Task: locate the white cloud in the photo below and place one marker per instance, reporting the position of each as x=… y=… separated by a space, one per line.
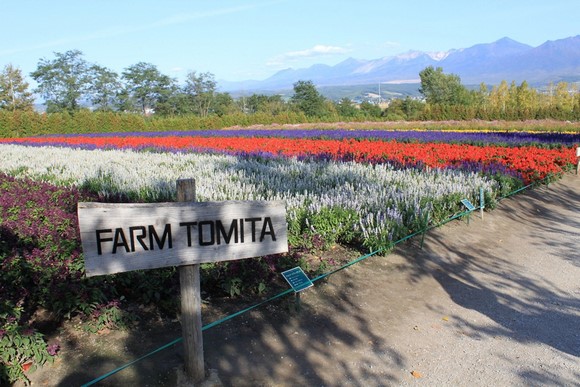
x=315 y=51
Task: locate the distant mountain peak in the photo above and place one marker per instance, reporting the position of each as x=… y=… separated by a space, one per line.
x=504 y=59
x=506 y=39
x=439 y=55
x=350 y=61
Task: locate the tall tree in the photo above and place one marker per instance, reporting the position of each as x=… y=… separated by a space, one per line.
x=104 y=88
x=63 y=81
x=563 y=97
x=201 y=89
x=346 y=108
x=307 y=99
x=440 y=88
x=273 y=104
x=370 y=109
x=147 y=86
x=254 y=103
x=498 y=97
x=527 y=100
x=224 y=104
x=14 y=93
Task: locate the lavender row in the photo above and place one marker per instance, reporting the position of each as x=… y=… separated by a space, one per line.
x=480 y=138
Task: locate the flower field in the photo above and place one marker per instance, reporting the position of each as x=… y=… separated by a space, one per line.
x=363 y=188
x=531 y=155
x=380 y=180
x=324 y=197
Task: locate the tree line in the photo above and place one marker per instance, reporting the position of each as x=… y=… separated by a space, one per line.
x=69 y=84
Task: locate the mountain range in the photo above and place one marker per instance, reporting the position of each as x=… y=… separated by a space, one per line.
x=490 y=63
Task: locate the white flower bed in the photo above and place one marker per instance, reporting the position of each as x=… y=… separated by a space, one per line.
x=382 y=197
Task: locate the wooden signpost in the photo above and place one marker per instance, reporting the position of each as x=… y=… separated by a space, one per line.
x=126 y=237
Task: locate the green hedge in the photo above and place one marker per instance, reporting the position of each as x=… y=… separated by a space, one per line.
x=30 y=123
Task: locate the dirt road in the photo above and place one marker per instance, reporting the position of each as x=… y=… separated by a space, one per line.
x=492 y=302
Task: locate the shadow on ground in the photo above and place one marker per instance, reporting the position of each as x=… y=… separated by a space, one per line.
x=525 y=301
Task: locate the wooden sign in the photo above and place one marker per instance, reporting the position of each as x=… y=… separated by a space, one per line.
x=125 y=237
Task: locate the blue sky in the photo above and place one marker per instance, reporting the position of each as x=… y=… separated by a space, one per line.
x=240 y=40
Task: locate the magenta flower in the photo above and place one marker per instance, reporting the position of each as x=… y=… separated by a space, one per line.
x=53 y=349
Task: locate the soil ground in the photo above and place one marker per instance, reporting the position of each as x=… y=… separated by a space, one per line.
x=492 y=301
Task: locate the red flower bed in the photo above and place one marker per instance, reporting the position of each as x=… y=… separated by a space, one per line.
x=531 y=162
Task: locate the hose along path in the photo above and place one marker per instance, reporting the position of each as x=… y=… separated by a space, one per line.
x=318 y=278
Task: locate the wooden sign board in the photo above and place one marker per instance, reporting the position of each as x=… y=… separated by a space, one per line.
x=125 y=237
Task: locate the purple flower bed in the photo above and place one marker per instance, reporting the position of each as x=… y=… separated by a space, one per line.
x=477 y=138
x=40 y=246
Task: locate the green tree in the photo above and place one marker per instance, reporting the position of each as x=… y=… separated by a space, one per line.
x=14 y=93
x=498 y=98
x=201 y=89
x=346 y=108
x=370 y=109
x=273 y=105
x=407 y=108
x=224 y=104
x=527 y=101
x=307 y=99
x=443 y=89
x=512 y=102
x=104 y=88
x=563 y=97
x=149 y=89
x=124 y=102
x=64 y=81
x=254 y=103
x=177 y=104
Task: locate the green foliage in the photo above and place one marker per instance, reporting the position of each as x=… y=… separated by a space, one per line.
x=439 y=88
x=107 y=316
x=507 y=184
x=346 y=108
x=370 y=109
x=252 y=276
x=264 y=104
x=328 y=226
x=200 y=90
x=147 y=87
x=404 y=109
x=308 y=100
x=14 y=93
x=233 y=286
x=29 y=123
x=63 y=81
x=20 y=348
x=104 y=87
